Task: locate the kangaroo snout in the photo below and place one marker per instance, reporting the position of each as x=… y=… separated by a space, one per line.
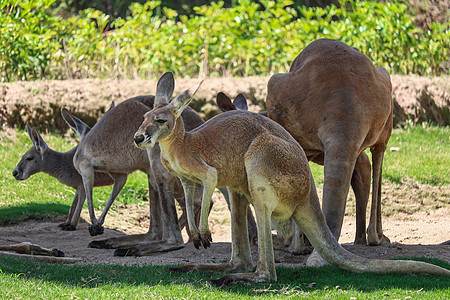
x=17 y=174
x=139 y=139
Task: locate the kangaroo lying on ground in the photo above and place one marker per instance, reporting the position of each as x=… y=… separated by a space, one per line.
x=41 y=158
x=256 y=157
x=336 y=103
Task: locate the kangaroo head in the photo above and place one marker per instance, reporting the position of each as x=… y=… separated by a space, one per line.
x=33 y=160
x=225 y=104
x=159 y=122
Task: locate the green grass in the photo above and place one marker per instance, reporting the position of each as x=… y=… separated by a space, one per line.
x=424 y=156
x=41 y=197
x=38 y=280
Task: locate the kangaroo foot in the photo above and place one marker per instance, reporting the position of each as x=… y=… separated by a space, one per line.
x=96 y=230
x=101 y=244
x=63 y=224
x=383 y=241
x=58 y=253
x=67 y=227
x=222 y=281
x=127 y=252
x=315 y=260
x=149 y=248
x=360 y=240
x=256 y=277
x=182 y=269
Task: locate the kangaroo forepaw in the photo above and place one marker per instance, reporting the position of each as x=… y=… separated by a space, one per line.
x=197 y=243
x=96 y=230
x=182 y=269
x=222 y=281
x=127 y=252
x=206 y=239
x=196 y=240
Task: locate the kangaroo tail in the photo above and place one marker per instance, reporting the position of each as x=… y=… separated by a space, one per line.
x=311 y=220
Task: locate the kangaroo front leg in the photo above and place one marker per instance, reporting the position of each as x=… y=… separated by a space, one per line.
x=119 y=182
x=189 y=189
x=87 y=173
x=375 y=230
x=338 y=169
x=209 y=184
x=76 y=214
x=241 y=259
x=361 y=186
x=65 y=225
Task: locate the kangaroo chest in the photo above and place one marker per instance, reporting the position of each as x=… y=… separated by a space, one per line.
x=174 y=167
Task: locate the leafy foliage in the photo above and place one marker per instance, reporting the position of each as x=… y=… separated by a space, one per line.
x=250 y=38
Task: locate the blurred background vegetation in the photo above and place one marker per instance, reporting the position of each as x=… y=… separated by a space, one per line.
x=68 y=39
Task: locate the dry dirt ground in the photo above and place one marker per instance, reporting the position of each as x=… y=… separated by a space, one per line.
x=413 y=234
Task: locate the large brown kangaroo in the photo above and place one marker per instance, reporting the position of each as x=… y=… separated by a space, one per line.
x=336 y=103
x=108 y=149
x=256 y=157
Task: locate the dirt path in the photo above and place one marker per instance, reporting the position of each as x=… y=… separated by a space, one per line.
x=419 y=234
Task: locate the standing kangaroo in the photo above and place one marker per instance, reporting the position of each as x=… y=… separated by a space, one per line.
x=336 y=103
x=108 y=148
x=256 y=157
x=289 y=237
x=41 y=158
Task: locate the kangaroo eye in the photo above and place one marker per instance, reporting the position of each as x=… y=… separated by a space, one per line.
x=161 y=121
x=29 y=158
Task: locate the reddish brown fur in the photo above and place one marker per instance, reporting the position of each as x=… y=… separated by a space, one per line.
x=336 y=103
x=256 y=157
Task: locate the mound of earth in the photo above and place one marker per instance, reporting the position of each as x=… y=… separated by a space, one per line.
x=39 y=103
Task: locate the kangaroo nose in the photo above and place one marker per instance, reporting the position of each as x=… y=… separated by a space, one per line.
x=15 y=173
x=139 y=139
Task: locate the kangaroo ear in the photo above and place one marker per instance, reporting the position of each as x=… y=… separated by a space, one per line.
x=29 y=132
x=182 y=100
x=113 y=104
x=224 y=102
x=164 y=89
x=38 y=141
x=80 y=128
x=240 y=102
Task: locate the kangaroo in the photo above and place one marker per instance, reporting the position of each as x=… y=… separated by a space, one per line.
x=108 y=148
x=41 y=158
x=293 y=240
x=336 y=103
x=255 y=157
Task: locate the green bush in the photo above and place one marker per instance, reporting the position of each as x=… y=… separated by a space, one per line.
x=244 y=40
